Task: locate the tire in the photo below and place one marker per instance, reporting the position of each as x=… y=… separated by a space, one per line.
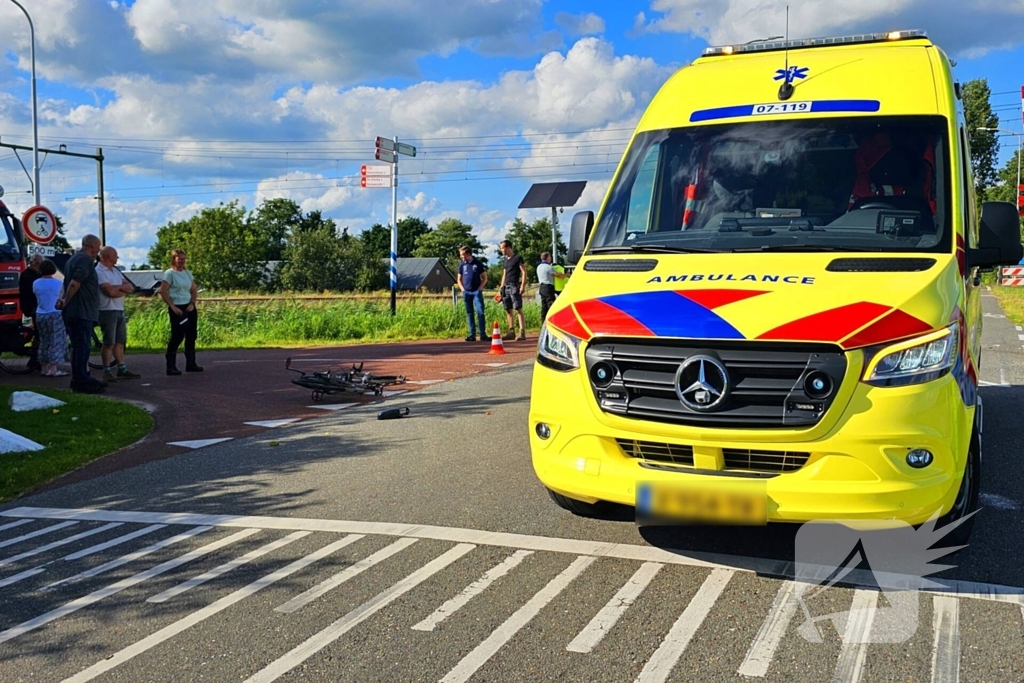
x=15 y=364
x=578 y=507
x=966 y=503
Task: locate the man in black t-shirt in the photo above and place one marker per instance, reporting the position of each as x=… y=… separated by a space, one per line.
x=513 y=284
x=81 y=306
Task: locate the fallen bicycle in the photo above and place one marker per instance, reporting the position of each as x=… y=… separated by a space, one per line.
x=334 y=381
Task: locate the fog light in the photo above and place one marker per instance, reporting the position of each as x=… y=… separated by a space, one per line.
x=544 y=432
x=919 y=458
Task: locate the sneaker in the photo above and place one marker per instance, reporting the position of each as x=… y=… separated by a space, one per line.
x=127 y=374
x=108 y=376
x=471 y=338
x=509 y=336
x=521 y=337
x=88 y=388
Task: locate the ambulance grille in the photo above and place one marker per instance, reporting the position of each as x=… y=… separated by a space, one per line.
x=766 y=388
x=675 y=454
x=763 y=461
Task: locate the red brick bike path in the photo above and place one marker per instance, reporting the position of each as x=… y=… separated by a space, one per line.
x=249 y=385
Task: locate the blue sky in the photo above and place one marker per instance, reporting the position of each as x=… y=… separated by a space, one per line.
x=198 y=103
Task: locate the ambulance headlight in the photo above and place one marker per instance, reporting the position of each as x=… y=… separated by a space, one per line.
x=558 y=350
x=918 y=363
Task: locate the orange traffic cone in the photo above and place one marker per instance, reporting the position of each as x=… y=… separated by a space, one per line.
x=497 y=347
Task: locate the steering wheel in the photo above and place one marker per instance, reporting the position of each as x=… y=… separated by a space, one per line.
x=875 y=205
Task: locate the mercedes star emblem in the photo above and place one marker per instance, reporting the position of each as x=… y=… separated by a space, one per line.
x=702 y=383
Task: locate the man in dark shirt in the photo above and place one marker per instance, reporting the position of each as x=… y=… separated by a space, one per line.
x=27 y=299
x=81 y=306
x=513 y=283
x=472 y=278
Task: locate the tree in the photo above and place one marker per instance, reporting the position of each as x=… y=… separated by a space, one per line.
x=1006 y=190
x=984 y=144
x=60 y=242
x=317 y=260
x=377 y=238
x=444 y=241
x=530 y=240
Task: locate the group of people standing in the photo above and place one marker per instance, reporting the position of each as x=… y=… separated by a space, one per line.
x=92 y=293
x=472 y=278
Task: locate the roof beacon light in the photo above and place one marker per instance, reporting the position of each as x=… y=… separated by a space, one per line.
x=775 y=45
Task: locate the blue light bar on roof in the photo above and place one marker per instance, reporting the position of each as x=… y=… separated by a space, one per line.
x=770 y=45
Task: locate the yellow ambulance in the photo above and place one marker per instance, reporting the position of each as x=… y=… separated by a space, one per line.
x=776 y=316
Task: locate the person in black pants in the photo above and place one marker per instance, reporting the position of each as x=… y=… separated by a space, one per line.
x=27 y=299
x=178 y=290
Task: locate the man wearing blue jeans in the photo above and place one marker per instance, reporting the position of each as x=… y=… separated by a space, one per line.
x=471 y=280
x=81 y=306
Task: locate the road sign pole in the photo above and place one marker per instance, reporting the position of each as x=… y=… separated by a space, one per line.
x=394 y=229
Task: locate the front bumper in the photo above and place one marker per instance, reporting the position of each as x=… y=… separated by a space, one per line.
x=856 y=469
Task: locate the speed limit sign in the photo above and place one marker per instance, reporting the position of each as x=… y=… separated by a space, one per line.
x=39 y=224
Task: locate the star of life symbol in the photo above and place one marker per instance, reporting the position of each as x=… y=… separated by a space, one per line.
x=897 y=556
x=795 y=72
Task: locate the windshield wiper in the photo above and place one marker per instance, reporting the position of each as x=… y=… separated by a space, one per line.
x=803 y=247
x=652 y=249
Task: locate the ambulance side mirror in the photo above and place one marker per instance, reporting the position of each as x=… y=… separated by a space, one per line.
x=999 y=237
x=579 y=233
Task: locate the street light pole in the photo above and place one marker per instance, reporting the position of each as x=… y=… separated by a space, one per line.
x=35 y=120
x=1020 y=150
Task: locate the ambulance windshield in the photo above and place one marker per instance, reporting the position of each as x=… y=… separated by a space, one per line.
x=838 y=184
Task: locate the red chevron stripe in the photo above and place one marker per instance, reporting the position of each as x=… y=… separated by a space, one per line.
x=828 y=326
x=601 y=318
x=716 y=298
x=567 y=321
x=896 y=325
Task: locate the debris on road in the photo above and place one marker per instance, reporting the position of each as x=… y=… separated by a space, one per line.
x=392 y=413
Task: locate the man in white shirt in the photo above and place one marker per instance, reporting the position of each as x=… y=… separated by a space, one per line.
x=113 y=287
x=547 y=276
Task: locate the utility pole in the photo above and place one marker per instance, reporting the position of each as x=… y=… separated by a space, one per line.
x=99 y=187
x=394 y=229
x=35 y=120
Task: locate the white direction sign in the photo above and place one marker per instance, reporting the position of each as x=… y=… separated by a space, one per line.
x=407 y=150
x=384 y=143
x=375 y=181
x=375 y=170
x=41 y=249
x=385 y=155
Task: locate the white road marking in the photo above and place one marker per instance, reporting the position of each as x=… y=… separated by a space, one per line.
x=659 y=666
x=1019 y=328
x=360 y=614
x=114 y=542
x=112 y=589
x=623 y=551
x=273 y=424
x=23 y=575
x=992 y=384
x=334 y=406
x=425 y=382
x=946 y=648
x=999 y=502
x=472 y=662
x=472 y=590
x=1020 y=336
x=226 y=567
x=12 y=525
x=130 y=557
x=761 y=651
x=388 y=394
x=194 y=618
x=605 y=620
x=303 y=599
x=854 y=650
x=36 y=533
x=199 y=443
x=491 y=365
x=56 y=544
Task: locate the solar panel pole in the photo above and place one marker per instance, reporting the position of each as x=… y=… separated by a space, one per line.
x=394 y=228
x=554 y=235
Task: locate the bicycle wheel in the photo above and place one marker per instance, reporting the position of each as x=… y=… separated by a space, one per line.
x=15 y=363
x=95 y=357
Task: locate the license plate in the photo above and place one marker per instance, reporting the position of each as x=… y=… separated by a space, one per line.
x=703 y=502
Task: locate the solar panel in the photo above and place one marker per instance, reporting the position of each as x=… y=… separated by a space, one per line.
x=546 y=195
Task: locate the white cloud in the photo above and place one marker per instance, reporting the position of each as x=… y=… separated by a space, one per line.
x=584 y=24
x=957 y=25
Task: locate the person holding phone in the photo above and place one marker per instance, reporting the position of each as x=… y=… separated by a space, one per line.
x=178 y=290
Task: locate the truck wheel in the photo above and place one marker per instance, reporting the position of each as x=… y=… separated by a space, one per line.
x=578 y=507
x=966 y=502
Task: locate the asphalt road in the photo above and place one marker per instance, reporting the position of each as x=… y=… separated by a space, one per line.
x=423 y=549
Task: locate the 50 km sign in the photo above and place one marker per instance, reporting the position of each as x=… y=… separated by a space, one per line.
x=39 y=224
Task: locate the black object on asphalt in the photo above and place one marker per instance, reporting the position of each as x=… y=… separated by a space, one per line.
x=392 y=413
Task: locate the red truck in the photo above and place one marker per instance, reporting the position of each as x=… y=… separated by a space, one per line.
x=14 y=337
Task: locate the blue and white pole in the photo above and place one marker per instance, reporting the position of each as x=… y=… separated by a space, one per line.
x=394 y=228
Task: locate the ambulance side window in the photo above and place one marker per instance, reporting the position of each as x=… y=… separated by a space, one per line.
x=641 y=197
x=969 y=198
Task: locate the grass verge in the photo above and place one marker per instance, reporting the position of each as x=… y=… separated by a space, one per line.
x=1011 y=299
x=87 y=428
x=288 y=321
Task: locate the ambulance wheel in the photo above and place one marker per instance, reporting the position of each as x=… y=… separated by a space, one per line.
x=966 y=502
x=578 y=507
